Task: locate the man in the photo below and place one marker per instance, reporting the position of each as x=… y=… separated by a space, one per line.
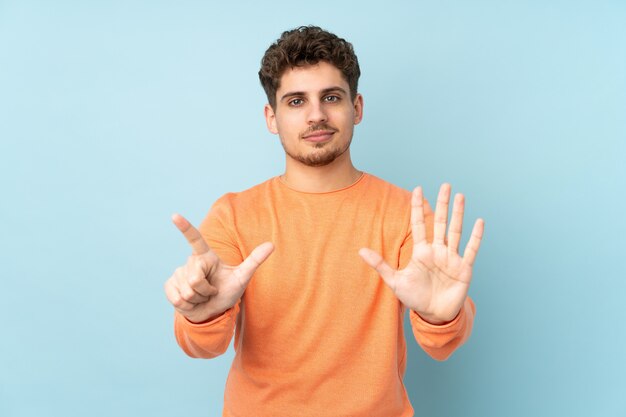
x=293 y=266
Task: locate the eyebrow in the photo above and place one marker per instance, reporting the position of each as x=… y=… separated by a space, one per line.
x=324 y=91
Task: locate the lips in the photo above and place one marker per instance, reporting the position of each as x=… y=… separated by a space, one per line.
x=319 y=136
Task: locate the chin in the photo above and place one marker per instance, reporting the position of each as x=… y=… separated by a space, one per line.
x=322 y=154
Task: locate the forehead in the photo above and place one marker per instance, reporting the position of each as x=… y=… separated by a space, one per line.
x=311 y=78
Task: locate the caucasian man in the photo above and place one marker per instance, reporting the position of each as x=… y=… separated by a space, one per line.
x=313 y=270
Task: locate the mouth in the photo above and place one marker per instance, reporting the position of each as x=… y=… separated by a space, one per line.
x=319 y=136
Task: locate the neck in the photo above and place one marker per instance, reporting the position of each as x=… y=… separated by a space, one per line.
x=338 y=174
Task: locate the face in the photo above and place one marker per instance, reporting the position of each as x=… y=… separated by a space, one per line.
x=314 y=115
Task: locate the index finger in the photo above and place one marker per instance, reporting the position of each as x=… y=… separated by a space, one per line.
x=193 y=236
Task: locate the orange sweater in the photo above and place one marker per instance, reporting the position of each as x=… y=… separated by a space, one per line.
x=317 y=332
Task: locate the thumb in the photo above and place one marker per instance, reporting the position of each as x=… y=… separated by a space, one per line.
x=377 y=262
x=253 y=261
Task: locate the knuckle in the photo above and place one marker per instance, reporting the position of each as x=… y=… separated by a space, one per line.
x=196 y=280
x=176 y=301
x=208 y=262
x=211 y=260
x=192 y=280
x=181 y=305
x=199 y=264
x=187 y=294
x=178 y=274
x=182 y=269
x=170 y=288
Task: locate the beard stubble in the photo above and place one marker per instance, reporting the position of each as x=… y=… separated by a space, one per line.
x=318 y=159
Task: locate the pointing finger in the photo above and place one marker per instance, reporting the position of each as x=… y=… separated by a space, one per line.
x=193 y=236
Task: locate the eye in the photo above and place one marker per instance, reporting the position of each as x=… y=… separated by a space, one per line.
x=331 y=99
x=296 y=102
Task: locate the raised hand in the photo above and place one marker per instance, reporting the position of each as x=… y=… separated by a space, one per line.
x=435 y=281
x=205 y=287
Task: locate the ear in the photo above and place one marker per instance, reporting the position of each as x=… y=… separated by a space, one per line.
x=358 y=109
x=270 y=119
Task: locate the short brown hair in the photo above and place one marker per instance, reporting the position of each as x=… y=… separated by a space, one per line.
x=307 y=45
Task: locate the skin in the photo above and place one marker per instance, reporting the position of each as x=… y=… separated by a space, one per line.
x=315 y=99
x=205 y=286
x=436 y=280
x=314 y=118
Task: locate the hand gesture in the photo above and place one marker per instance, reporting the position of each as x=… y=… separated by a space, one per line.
x=435 y=282
x=205 y=287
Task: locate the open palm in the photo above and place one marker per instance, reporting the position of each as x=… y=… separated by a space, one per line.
x=436 y=280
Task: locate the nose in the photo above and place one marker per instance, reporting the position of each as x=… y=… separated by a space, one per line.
x=317 y=113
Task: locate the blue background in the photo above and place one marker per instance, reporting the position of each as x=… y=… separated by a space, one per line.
x=113 y=115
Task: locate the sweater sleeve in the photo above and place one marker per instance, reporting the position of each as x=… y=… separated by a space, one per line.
x=206 y=340
x=211 y=339
x=440 y=341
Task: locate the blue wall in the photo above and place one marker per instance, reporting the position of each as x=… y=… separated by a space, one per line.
x=113 y=115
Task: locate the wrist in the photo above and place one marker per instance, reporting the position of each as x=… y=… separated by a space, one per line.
x=434 y=320
x=206 y=318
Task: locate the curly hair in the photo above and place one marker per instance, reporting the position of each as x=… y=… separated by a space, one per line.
x=307 y=45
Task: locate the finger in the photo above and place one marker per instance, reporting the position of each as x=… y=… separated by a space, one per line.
x=471 y=250
x=198 y=276
x=456 y=223
x=429 y=219
x=377 y=262
x=418 y=225
x=193 y=236
x=246 y=269
x=202 y=286
x=189 y=295
x=174 y=297
x=441 y=214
